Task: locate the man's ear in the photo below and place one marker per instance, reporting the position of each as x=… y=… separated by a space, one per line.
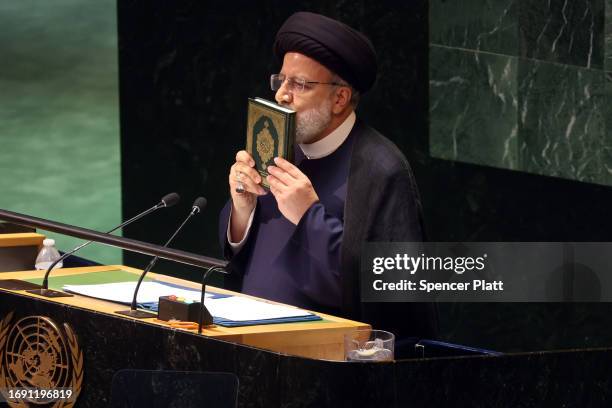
x=342 y=101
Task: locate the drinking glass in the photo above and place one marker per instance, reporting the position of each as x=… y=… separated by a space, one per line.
x=365 y=345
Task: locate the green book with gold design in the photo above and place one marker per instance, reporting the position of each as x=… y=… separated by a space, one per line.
x=270 y=134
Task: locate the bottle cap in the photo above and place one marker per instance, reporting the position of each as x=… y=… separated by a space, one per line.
x=49 y=242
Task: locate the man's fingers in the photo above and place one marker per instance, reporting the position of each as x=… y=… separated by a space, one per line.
x=246 y=185
x=244 y=157
x=244 y=177
x=276 y=185
x=241 y=170
x=288 y=167
x=282 y=175
x=275 y=192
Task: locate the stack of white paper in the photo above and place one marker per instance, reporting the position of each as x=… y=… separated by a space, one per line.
x=235 y=308
x=123 y=292
x=240 y=309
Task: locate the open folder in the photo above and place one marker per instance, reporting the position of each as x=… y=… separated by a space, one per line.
x=234 y=311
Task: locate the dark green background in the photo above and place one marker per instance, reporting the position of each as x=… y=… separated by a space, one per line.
x=59 y=123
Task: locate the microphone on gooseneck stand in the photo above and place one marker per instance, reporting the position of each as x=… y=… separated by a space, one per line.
x=197 y=207
x=166 y=201
x=204 y=313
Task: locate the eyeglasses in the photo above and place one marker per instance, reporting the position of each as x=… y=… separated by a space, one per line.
x=296 y=85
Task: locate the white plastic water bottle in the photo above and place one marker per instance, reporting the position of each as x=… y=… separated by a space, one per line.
x=47 y=255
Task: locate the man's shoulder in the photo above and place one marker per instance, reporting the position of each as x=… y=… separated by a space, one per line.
x=377 y=153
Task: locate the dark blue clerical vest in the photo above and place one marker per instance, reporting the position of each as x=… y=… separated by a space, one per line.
x=300 y=265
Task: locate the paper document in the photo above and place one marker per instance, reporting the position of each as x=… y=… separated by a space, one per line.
x=238 y=308
x=123 y=292
x=234 y=308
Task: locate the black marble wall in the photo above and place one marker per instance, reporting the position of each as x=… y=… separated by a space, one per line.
x=187 y=68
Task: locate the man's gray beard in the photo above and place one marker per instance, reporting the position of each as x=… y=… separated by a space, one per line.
x=313 y=122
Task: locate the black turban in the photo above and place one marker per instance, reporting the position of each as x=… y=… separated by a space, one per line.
x=344 y=51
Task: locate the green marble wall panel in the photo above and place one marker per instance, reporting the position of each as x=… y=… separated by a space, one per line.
x=517 y=114
x=475 y=24
x=564 y=31
x=473 y=107
x=59 y=115
x=559 y=120
x=562 y=122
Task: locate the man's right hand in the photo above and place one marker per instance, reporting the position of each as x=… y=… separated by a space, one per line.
x=243 y=175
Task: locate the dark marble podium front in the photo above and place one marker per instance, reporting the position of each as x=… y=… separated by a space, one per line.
x=269 y=379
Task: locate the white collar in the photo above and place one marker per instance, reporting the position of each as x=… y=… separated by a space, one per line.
x=331 y=142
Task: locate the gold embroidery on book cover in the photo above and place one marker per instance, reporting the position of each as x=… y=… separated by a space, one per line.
x=263 y=141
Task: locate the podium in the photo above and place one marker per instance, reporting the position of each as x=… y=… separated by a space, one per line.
x=290 y=364
x=317 y=339
x=110 y=342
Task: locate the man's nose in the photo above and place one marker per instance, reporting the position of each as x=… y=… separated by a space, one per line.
x=283 y=95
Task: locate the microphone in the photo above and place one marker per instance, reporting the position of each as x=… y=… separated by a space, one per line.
x=204 y=313
x=169 y=200
x=197 y=207
x=166 y=201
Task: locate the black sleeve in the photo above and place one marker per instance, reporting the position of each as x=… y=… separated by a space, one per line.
x=397 y=215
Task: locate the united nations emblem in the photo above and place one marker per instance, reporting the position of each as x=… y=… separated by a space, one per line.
x=36 y=355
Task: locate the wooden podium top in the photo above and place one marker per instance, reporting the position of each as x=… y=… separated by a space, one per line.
x=317 y=339
x=21 y=239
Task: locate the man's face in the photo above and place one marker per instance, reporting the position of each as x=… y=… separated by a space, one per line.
x=314 y=104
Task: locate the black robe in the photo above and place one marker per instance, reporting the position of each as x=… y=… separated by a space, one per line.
x=392 y=212
x=382 y=204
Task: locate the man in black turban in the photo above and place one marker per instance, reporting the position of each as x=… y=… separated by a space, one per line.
x=301 y=244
